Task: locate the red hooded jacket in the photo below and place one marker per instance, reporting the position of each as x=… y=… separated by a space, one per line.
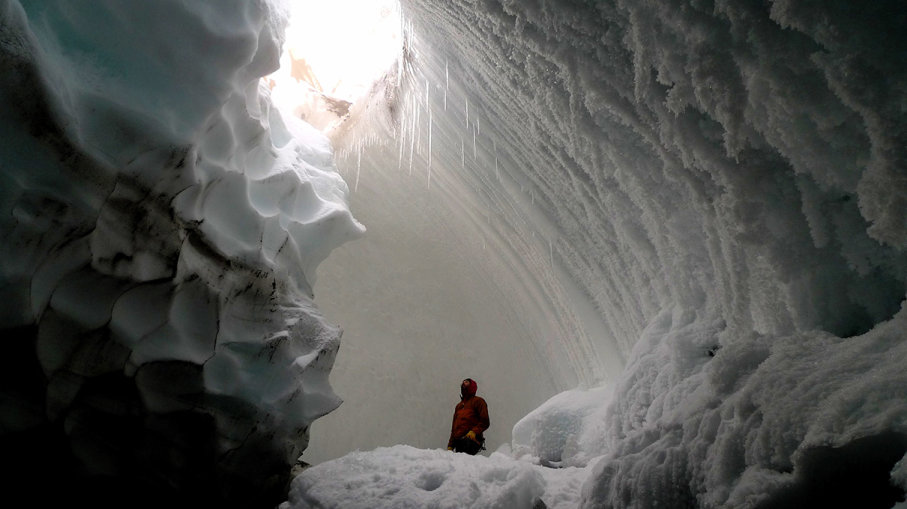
x=471 y=414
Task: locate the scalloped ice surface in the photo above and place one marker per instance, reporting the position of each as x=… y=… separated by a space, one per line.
x=162 y=228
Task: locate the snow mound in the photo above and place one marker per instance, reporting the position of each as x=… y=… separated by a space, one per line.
x=406 y=477
x=806 y=420
x=567 y=430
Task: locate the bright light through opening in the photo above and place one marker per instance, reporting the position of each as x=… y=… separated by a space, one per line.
x=335 y=47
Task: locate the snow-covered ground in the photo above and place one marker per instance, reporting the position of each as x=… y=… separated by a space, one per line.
x=809 y=420
x=406 y=477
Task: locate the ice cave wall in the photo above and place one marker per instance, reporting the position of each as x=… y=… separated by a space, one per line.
x=692 y=153
x=724 y=182
x=161 y=227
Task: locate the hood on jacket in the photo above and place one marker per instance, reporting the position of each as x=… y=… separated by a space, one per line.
x=468 y=388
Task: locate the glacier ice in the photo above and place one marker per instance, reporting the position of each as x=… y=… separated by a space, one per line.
x=691 y=191
x=162 y=225
x=692 y=212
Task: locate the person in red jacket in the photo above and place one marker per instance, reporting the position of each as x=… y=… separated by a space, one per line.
x=470 y=420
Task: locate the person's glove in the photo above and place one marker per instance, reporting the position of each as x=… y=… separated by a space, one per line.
x=472 y=436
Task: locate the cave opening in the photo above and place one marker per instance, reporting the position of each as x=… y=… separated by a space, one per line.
x=333 y=52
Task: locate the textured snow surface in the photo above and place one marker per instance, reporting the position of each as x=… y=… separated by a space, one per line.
x=567 y=430
x=808 y=418
x=406 y=477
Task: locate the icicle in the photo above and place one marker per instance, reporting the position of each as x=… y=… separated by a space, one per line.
x=416 y=123
x=467 y=113
x=412 y=149
x=412 y=142
x=358 y=167
x=497 y=174
x=551 y=253
x=402 y=144
x=479 y=125
x=429 y=139
x=400 y=71
x=402 y=141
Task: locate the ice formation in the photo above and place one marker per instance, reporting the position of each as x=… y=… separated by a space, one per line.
x=690 y=212
x=161 y=227
x=722 y=184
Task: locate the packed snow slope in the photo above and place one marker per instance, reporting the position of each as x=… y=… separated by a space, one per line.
x=723 y=182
